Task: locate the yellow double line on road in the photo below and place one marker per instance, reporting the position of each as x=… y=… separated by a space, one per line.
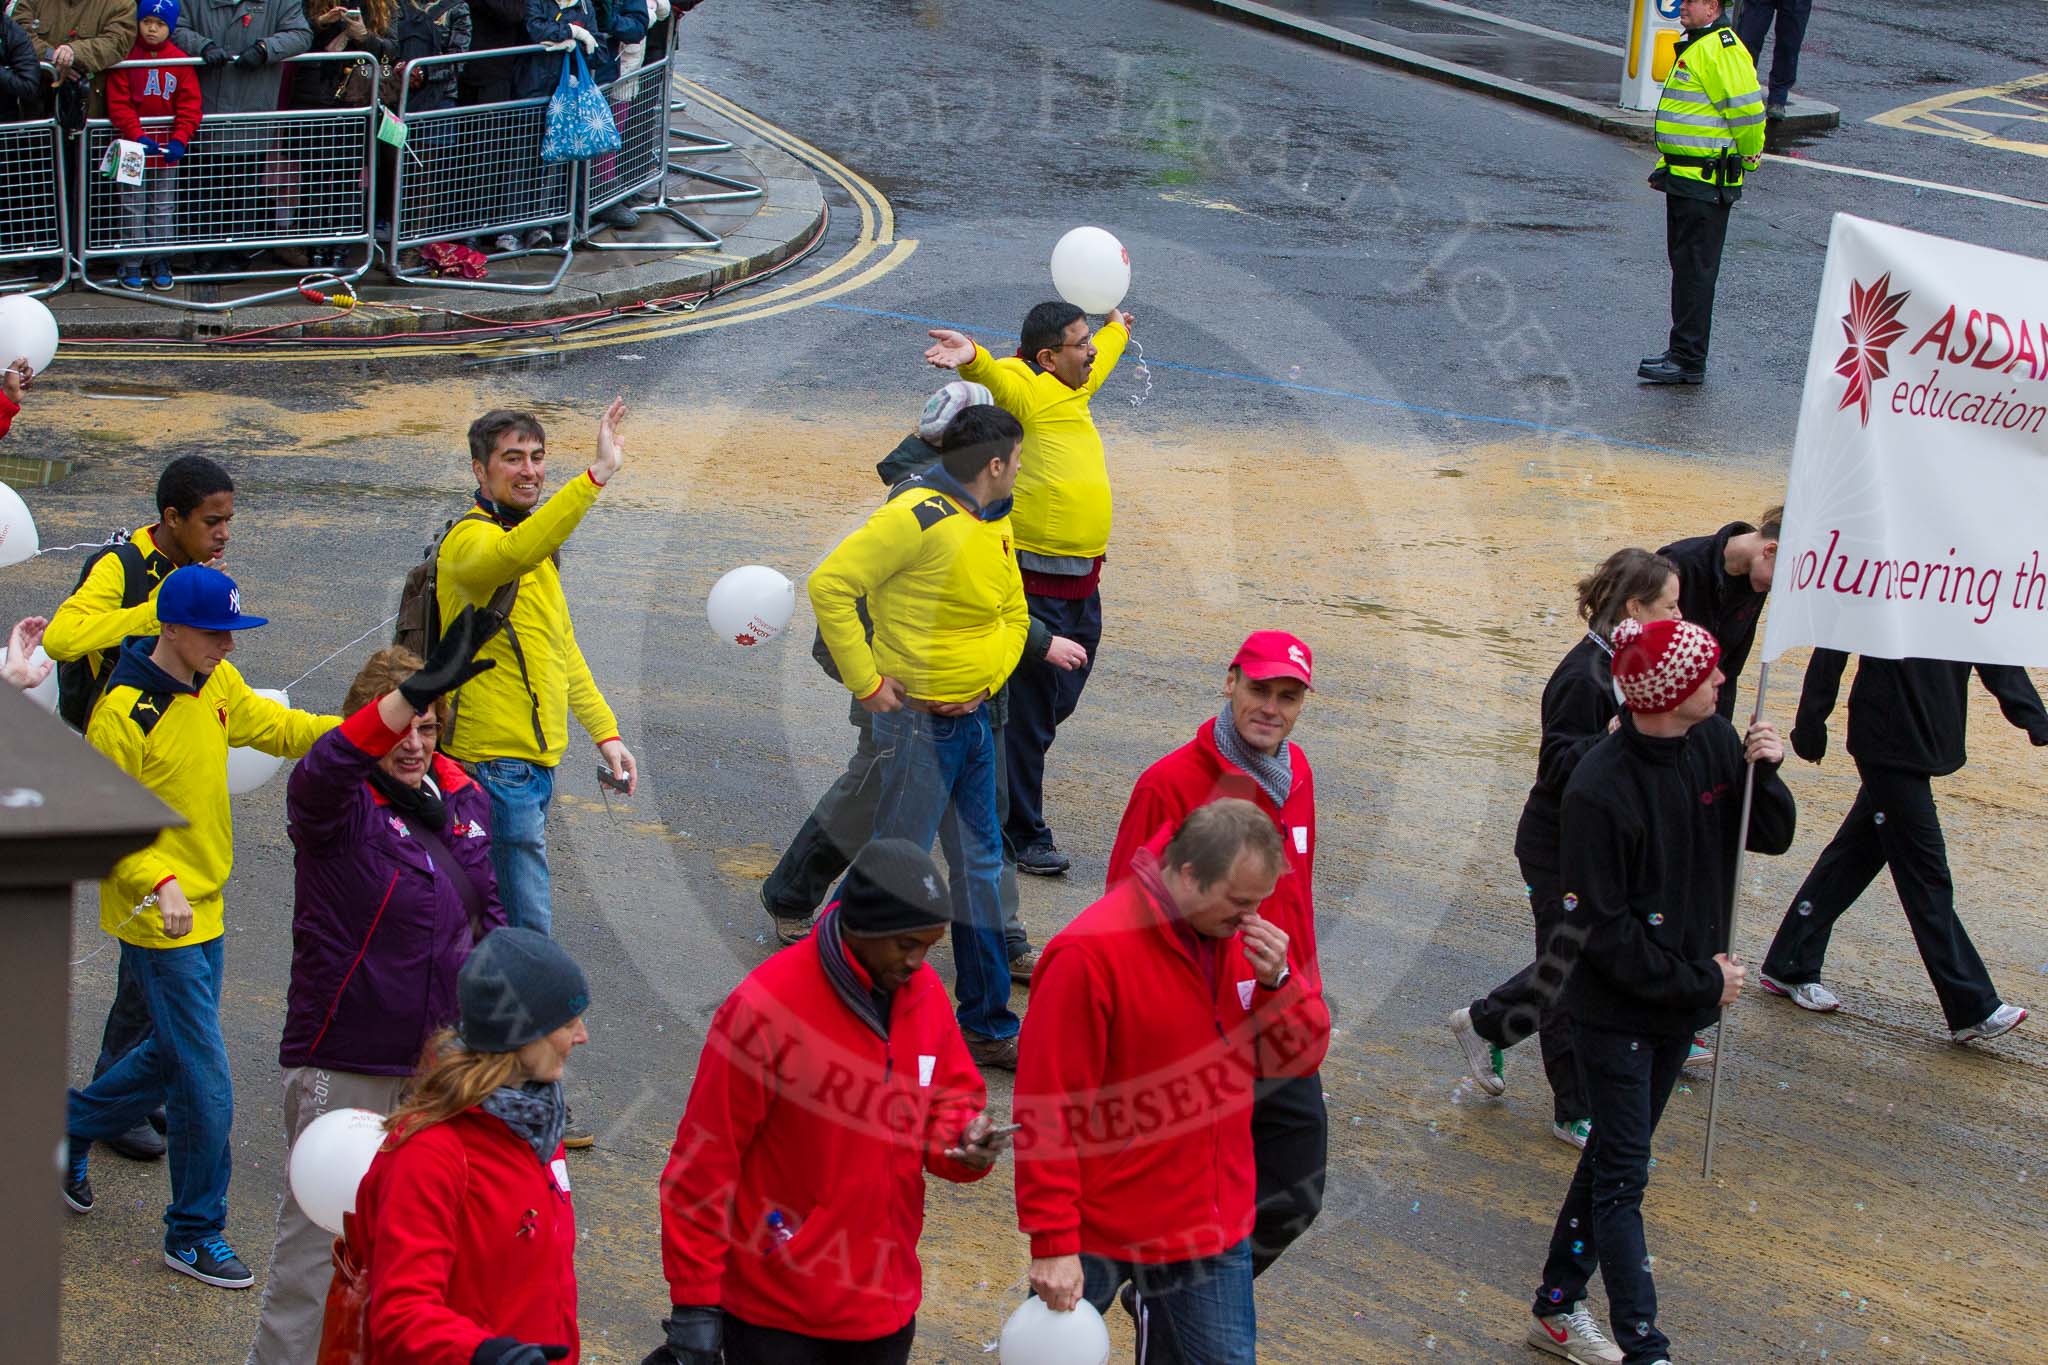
x=875 y=252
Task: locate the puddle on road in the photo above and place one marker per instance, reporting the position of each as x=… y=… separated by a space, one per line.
x=21 y=471
x=131 y=393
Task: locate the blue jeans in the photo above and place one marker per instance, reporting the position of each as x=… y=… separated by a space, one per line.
x=939 y=777
x=1627 y=1080
x=1196 y=1311
x=183 y=1065
x=1755 y=22
x=520 y=792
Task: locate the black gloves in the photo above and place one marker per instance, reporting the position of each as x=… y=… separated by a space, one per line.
x=452 y=663
x=508 y=1351
x=253 y=57
x=696 y=1336
x=214 y=55
x=1810 y=742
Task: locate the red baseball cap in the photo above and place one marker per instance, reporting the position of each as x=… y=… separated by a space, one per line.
x=1275 y=654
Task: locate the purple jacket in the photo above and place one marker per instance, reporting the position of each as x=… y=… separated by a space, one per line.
x=379 y=921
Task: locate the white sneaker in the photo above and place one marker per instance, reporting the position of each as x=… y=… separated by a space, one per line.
x=2004 y=1019
x=506 y=243
x=1808 y=995
x=1483 y=1057
x=1576 y=1132
x=1574 y=1335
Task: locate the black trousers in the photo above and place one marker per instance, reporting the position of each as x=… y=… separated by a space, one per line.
x=746 y=1344
x=844 y=820
x=1791 y=16
x=1531 y=1001
x=1291 y=1148
x=1042 y=696
x=1694 y=231
x=1892 y=824
x=1628 y=1078
x=128 y=1022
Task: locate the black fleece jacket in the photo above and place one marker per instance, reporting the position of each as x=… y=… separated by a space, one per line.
x=1578 y=704
x=1651 y=828
x=1723 y=602
x=1909 y=715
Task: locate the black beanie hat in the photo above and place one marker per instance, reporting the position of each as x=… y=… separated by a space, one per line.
x=892 y=888
x=517 y=986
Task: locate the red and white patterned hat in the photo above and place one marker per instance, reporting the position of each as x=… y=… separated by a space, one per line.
x=1660 y=664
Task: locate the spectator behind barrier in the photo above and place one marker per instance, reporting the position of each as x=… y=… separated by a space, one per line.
x=493 y=24
x=341 y=26
x=80 y=38
x=21 y=79
x=149 y=211
x=244 y=43
x=597 y=26
x=431 y=28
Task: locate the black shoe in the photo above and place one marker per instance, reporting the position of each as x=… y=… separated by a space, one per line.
x=77 y=1188
x=1043 y=860
x=999 y=1054
x=789 y=928
x=140 y=1143
x=576 y=1139
x=1657 y=359
x=212 y=1261
x=1661 y=372
x=159 y=1120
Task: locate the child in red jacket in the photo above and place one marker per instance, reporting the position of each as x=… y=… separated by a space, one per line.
x=153 y=92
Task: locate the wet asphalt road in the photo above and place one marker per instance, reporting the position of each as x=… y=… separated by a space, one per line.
x=1390 y=328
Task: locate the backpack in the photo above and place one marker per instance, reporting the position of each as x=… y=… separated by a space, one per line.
x=419 y=616
x=80 y=681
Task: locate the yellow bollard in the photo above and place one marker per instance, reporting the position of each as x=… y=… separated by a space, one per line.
x=1667 y=54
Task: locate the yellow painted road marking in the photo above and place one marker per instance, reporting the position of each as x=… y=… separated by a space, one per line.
x=877 y=234
x=1987 y=116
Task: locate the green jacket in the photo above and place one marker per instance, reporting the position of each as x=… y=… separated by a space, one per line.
x=1710 y=117
x=98 y=32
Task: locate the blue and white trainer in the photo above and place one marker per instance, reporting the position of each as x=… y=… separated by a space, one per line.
x=1808 y=995
x=2004 y=1019
x=212 y=1261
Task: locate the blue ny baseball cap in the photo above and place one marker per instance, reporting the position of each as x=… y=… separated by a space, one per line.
x=203 y=598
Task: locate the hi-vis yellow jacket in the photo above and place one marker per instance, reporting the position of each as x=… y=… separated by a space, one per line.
x=943 y=591
x=512 y=712
x=1063 y=504
x=1711 y=114
x=93 y=619
x=173 y=738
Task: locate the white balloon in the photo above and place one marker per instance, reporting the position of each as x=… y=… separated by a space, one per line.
x=1091 y=270
x=28 y=331
x=329 y=1160
x=751 y=604
x=44 y=693
x=1035 y=1335
x=249 y=768
x=18 y=538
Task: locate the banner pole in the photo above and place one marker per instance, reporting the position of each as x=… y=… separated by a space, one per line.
x=1725 y=1037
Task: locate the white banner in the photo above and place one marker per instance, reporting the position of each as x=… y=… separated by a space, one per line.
x=1916 y=518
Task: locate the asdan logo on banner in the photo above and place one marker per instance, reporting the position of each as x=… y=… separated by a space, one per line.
x=1971 y=339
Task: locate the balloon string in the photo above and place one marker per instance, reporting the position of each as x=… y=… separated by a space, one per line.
x=339 y=652
x=1143 y=372
x=147 y=901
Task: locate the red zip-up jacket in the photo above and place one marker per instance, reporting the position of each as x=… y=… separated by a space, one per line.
x=1134 y=1087
x=1194 y=775
x=466 y=1236
x=799 y=1106
x=154 y=92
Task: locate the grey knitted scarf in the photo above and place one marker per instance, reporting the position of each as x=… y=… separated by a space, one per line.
x=535 y=1111
x=1275 y=774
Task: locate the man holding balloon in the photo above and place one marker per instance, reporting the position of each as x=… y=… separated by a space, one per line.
x=171 y=710
x=1063 y=507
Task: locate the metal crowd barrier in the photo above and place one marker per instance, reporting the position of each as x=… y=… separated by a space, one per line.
x=689 y=142
x=475 y=171
x=640 y=108
x=34 y=217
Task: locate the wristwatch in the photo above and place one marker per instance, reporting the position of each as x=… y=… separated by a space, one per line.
x=1286 y=975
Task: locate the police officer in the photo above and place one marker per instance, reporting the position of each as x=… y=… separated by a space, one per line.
x=1710 y=128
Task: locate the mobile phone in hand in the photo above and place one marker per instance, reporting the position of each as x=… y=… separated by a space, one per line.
x=607 y=778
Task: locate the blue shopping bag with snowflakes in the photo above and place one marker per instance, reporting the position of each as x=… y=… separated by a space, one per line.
x=579 y=124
